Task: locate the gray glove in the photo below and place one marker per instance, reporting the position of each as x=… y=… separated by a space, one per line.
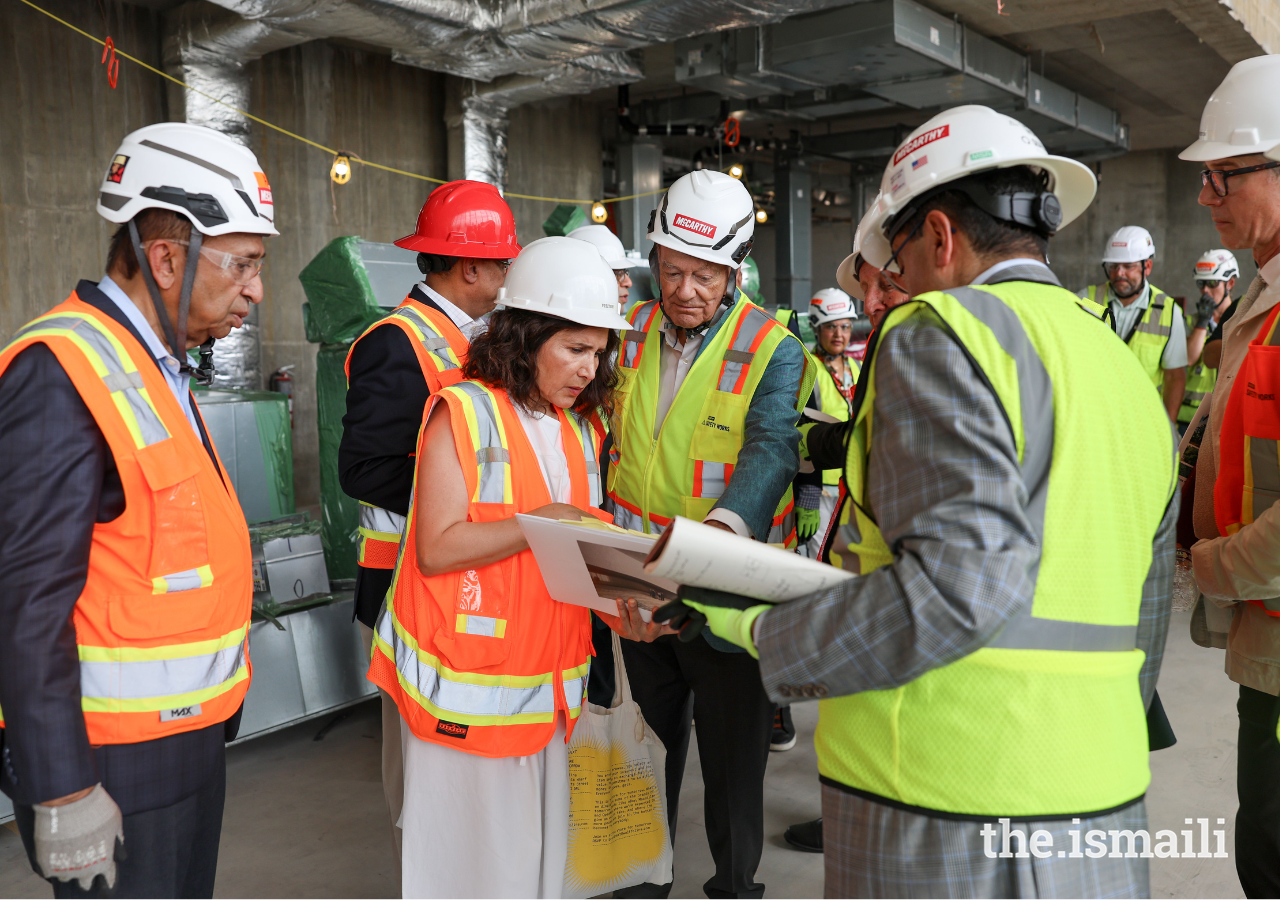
x=1204 y=312
x=78 y=841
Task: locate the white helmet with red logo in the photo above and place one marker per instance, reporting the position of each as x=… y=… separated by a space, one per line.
x=964 y=141
x=1130 y=244
x=190 y=169
x=831 y=305
x=1217 y=265
x=708 y=215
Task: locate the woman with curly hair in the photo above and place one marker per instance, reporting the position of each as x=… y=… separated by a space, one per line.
x=488 y=671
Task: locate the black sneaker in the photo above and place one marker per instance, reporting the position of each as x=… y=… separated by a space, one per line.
x=784 y=733
x=806 y=836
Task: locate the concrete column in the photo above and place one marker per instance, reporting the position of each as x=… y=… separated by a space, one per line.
x=794 y=222
x=639 y=172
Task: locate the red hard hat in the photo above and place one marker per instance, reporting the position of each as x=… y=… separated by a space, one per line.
x=465 y=218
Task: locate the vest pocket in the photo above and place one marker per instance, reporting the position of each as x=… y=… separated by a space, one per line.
x=180 y=545
x=720 y=428
x=475 y=635
x=149 y=616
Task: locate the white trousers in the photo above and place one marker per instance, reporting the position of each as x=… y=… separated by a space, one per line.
x=480 y=827
x=826 y=508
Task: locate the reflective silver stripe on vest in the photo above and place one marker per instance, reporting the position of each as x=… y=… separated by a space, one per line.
x=183 y=581
x=432 y=342
x=1150 y=321
x=1035 y=396
x=485 y=626
x=160 y=678
x=575 y=689
x=739 y=356
x=595 y=490
x=713 y=480
x=492 y=457
x=461 y=697
x=632 y=341
x=625 y=518
x=117 y=380
x=1264 y=461
x=375 y=518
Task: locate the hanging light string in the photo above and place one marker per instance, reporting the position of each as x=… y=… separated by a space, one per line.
x=334 y=154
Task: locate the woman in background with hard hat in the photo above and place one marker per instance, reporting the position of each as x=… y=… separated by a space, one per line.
x=487 y=670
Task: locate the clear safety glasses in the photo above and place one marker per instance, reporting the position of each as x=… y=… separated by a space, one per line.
x=242 y=269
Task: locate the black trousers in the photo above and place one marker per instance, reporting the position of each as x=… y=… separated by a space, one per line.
x=171 y=851
x=1258 y=786
x=678 y=685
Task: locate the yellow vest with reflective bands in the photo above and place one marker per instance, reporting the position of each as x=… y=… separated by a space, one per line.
x=1201 y=381
x=1151 y=333
x=1047 y=719
x=832 y=402
x=686 y=468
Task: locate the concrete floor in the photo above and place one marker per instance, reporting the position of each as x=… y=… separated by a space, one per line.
x=305 y=818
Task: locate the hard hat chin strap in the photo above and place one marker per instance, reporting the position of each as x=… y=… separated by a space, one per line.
x=177 y=339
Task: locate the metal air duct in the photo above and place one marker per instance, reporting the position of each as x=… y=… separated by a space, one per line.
x=208 y=49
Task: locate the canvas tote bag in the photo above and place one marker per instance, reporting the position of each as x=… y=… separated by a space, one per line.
x=618 y=835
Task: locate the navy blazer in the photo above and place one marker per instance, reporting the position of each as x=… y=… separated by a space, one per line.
x=57 y=480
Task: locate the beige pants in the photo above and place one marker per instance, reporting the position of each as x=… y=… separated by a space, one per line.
x=392 y=758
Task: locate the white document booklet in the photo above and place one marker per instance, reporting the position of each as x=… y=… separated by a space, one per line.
x=590 y=563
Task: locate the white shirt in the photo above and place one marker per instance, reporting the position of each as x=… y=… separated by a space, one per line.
x=544 y=434
x=1175 y=351
x=468 y=326
x=677 y=360
x=179 y=382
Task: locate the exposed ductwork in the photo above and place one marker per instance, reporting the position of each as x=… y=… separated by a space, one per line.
x=487 y=39
x=208 y=49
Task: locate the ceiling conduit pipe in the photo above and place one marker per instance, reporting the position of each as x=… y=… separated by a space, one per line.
x=208 y=50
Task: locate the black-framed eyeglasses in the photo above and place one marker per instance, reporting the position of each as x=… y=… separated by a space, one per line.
x=1218 y=177
x=503 y=264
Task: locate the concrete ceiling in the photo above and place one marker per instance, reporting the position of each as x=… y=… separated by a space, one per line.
x=1156 y=63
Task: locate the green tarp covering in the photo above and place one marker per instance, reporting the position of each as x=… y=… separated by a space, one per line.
x=563 y=219
x=341 y=301
x=340 y=514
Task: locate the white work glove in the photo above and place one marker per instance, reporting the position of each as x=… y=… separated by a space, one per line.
x=78 y=841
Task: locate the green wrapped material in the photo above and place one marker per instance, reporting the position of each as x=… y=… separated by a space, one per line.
x=351 y=284
x=751 y=280
x=341 y=514
x=252 y=434
x=563 y=219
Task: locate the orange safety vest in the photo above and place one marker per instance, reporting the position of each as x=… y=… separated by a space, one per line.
x=441 y=349
x=1249 y=446
x=162 y=624
x=483 y=660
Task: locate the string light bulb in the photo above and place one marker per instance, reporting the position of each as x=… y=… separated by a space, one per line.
x=598 y=212
x=762 y=216
x=735 y=170
x=340 y=171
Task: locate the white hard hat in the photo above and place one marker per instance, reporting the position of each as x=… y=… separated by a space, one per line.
x=708 y=215
x=964 y=141
x=565 y=278
x=1217 y=265
x=847 y=271
x=1242 y=115
x=605 y=241
x=1130 y=243
x=831 y=305
x=201 y=173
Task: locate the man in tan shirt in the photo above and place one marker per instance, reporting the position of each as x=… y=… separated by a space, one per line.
x=1241 y=189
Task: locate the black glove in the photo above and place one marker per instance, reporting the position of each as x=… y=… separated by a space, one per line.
x=687 y=620
x=1204 y=311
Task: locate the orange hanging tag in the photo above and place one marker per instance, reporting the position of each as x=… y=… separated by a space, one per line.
x=113 y=67
x=732 y=132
